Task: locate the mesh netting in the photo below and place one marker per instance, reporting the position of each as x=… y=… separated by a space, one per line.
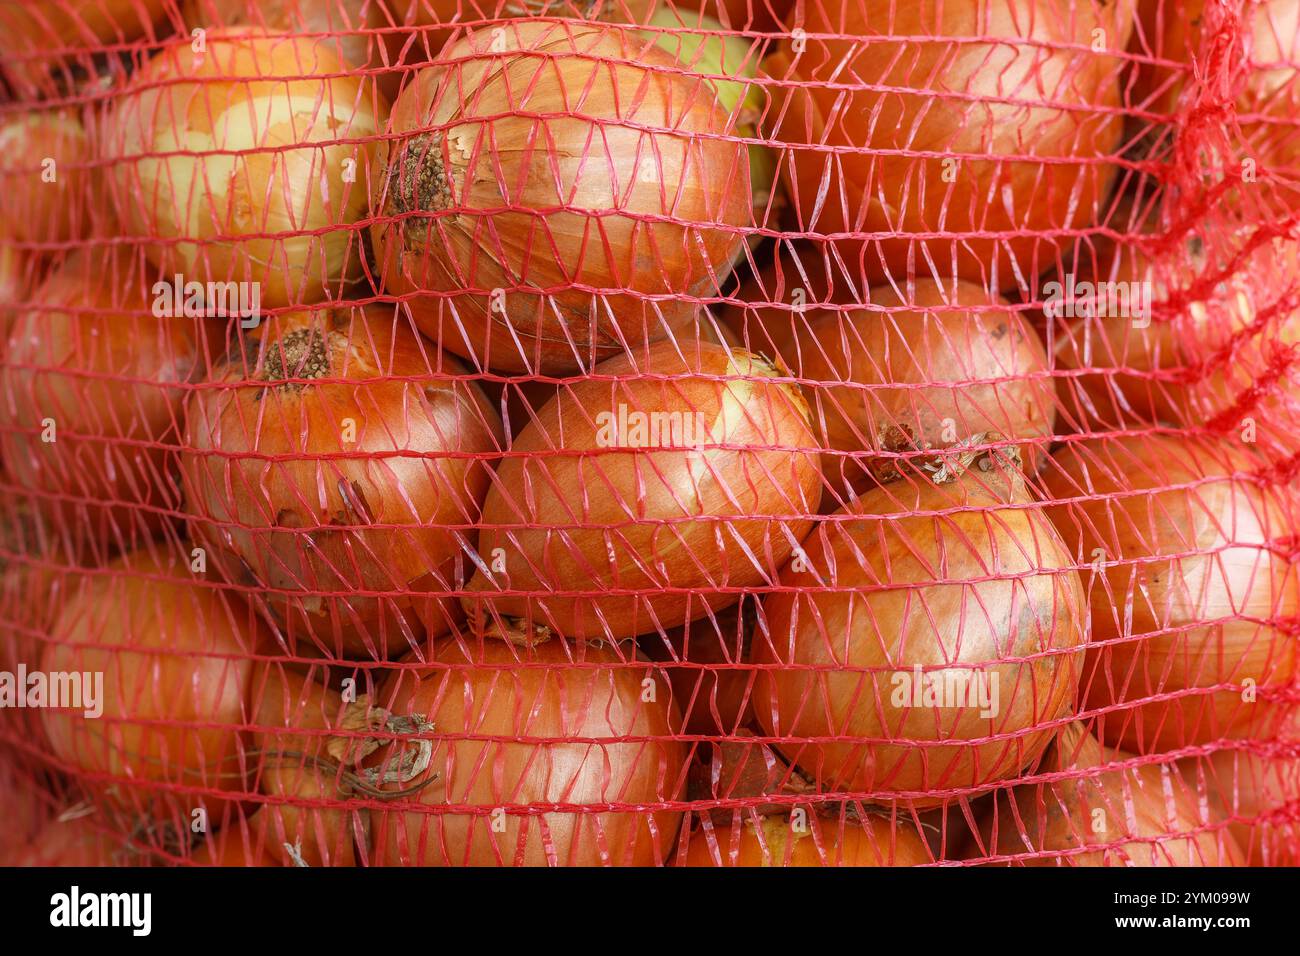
x=498 y=432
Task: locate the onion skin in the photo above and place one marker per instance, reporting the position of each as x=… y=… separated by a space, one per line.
x=1006 y=121
x=271 y=118
x=59 y=211
x=174 y=655
x=1010 y=594
x=289 y=707
x=737 y=506
x=482 y=691
x=90 y=355
x=1187 y=537
x=279 y=492
x=466 y=205
x=944 y=366
x=873 y=841
x=1148 y=816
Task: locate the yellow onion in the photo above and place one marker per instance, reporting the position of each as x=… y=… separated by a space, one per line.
x=1188 y=587
x=540 y=189
x=1108 y=809
x=575 y=730
x=643 y=497
x=240 y=163
x=49 y=191
x=91 y=395
x=930 y=369
x=870 y=841
x=340 y=462
x=925 y=639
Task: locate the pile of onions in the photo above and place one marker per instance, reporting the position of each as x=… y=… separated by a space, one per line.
x=90 y=357
x=247 y=163
x=941 y=364
x=774 y=841
x=647 y=495
x=539 y=190
x=906 y=614
x=937 y=134
x=1131 y=815
x=174 y=651
x=553 y=724
x=50 y=184
x=292 y=715
x=37 y=38
x=340 y=462
x=1192 y=590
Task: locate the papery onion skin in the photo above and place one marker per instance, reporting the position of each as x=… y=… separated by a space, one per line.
x=943 y=365
x=283 y=475
x=891 y=586
x=291 y=712
x=90 y=355
x=557 y=697
x=1147 y=816
x=707 y=510
x=466 y=196
x=1192 y=593
x=50 y=181
x=1037 y=97
x=174 y=652
x=247 y=163
x=872 y=841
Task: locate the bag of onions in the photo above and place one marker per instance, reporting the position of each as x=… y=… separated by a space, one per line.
x=650 y=432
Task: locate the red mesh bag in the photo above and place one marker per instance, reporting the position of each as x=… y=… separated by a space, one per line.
x=637 y=433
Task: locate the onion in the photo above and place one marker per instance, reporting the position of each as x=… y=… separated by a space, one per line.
x=173 y=652
x=24 y=807
x=18 y=275
x=870 y=841
x=247 y=163
x=573 y=727
x=341 y=464
x=966 y=139
x=50 y=182
x=697 y=477
x=941 y=365
x=752 y=16
x=1193 y=593
x=37 y=38
x=1266 y=95
x=913 y=608
x=293 y=712
x=1133 y=815
x=540 y=115
x=91 y=358
x=715 y=700
x=235 y=849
